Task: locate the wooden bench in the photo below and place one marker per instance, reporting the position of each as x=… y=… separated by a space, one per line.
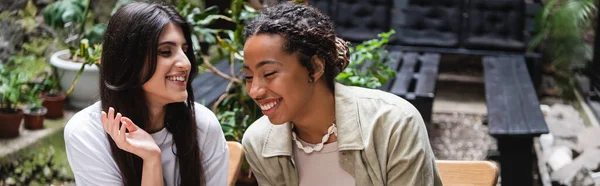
x=415 y=80
x=514 y=116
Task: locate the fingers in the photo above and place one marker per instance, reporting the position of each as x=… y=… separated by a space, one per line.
x=104 y=123
x=122 y=133
x=110 y=121
x=129 y=124
x=116 y=124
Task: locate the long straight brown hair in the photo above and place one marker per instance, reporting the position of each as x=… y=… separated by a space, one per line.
x=129 y=60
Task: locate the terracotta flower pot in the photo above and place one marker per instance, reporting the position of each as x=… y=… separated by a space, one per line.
x=55 y=104
x=10 y=123
x=34 y=118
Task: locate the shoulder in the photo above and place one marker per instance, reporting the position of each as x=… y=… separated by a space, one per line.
x=210 y=133
x=255 y=135
x=385 y=109
x=390 y=103
x=85 y=124
x=86 y=142
x=206 y=120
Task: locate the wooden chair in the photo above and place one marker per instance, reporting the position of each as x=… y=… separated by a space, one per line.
x=468 y=173
x=236 y=156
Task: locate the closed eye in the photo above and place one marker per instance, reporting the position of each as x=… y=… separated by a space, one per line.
x=269 y=74
x=164 y=53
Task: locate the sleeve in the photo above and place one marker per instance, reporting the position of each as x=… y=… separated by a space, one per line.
x=251 y=157
x=215 y=157
x=88 y=154
x=410 y=158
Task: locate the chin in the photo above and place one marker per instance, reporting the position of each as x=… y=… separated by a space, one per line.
x=181 y=98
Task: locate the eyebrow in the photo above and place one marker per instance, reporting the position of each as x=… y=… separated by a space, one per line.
x=169 y=43
x=262 y=63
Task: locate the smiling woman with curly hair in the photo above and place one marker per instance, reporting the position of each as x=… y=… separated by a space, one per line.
x=316 y=131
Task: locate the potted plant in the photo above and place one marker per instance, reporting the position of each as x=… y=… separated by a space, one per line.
x=83 y=66
x=11 y=89
x=52 y=97
x=80 y=62
x=34 y=111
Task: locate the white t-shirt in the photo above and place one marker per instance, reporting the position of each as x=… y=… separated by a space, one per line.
x=90 y=157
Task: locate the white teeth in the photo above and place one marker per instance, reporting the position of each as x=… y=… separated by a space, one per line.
x=178 y=78
x=268 y=106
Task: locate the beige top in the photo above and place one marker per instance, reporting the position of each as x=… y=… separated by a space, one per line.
x=381 y=137
x=321 y=167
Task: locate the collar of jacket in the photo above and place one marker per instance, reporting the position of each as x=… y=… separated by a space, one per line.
x=279 y=138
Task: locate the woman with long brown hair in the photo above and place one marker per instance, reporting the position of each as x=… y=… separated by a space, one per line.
x=146 y=129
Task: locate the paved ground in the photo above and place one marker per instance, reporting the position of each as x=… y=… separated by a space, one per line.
x=460 y=137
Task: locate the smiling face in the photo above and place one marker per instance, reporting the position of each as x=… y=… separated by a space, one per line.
x=275 y=79
x=168 y=83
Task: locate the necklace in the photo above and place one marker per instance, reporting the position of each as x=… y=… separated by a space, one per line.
x=332 y=130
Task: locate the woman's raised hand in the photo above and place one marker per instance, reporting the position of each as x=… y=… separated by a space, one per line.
x=134 y=140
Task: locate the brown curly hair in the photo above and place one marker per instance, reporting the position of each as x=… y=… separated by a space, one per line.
x=306 y=31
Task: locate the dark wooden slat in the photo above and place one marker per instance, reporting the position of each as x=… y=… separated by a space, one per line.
x=534 y=118
x=394 y=63
x=405 y=74
x=461 y=51
x=513 y=107
x=426 y=83
x=494 y=96
x=430 y=60
x=428 y=75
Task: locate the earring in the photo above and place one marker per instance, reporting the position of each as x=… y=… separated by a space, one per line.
x=310 y=80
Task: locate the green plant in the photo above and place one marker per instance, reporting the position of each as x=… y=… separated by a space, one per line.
x=30 y=60
x=27 y=17
x=88 y=56
x=29 y=66
x=70 y=17
x=63 y=12
x=377 y=73
x=32 y=97
x=12 y=88
x=37 y=168
x=51 y=85
x=199 y=21
x=560 y=26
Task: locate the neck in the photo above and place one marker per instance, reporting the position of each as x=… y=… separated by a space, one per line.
x=157 y=118
x=318 y=116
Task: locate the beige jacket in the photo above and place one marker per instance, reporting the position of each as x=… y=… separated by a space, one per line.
x=382 y=140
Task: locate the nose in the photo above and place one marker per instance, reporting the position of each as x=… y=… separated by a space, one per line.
x=183 y=62
x=257 y=90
